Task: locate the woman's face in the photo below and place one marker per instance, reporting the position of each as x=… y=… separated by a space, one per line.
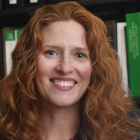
x=64 y=66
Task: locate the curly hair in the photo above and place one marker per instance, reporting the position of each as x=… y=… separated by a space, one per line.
x=104 y=108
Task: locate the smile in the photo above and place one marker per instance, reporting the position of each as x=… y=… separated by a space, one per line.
x=64 y=83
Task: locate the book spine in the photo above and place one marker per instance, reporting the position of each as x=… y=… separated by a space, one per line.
x=1 y=56
x=10 y=39
x=133 y=52
x=0 y=4
x=13 y=3
x=112 y=32
x=34 y=2
x=121 y=49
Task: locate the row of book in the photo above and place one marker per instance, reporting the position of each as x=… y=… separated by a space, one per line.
x=6 y=4
x=126 y=40
x=8 y=39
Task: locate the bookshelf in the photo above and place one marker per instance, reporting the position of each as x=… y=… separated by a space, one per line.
x=105 y=9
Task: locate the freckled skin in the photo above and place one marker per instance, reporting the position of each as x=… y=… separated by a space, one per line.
x=64 y=54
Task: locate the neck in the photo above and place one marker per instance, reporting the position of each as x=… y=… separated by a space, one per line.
x=60 y=123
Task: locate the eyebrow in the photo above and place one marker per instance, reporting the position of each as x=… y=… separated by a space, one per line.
x=57 y=46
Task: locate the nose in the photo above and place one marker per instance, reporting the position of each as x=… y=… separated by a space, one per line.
x=65 y=66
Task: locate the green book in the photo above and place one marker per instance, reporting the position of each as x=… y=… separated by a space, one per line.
x=10 y=38
x=133 y=52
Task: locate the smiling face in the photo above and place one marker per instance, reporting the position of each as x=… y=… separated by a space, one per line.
x=64 y=66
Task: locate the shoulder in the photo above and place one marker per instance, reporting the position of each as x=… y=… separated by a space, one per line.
x=135 y=114
x=2 y=138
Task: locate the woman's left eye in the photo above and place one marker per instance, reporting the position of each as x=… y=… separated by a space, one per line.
x=80 y=55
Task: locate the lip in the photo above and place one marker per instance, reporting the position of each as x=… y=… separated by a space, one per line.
x=63 y=79
x=63 y=88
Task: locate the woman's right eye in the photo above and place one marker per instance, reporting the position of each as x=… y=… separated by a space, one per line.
x=51 y=52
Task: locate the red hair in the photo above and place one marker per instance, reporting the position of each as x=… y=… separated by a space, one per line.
x=104 y=109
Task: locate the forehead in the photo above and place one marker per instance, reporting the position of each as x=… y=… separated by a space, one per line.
x=70 y=25
x=69 y=32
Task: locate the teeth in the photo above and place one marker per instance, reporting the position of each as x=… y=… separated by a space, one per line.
x=64 y=83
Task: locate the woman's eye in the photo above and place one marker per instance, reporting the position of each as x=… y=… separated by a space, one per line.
x=51 y=52
x=80 y=55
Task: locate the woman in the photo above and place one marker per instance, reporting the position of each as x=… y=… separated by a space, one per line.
x=65 y=81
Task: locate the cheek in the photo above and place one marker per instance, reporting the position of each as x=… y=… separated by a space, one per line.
x=43 y=66
x=40 y=65
x=85 y=71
